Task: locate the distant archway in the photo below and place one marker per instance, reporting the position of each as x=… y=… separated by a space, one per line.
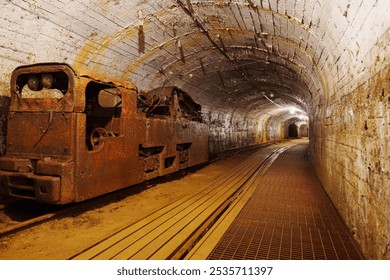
x=292 y=131
x=304 y=131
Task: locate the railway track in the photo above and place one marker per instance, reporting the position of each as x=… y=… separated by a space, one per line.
x=17 y=215
x=30 y=217
x=16 y=226
x=171 y=231
x=20 y=215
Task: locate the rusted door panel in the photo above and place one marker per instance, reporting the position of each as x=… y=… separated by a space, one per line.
x=40 y=134
x=114 y=165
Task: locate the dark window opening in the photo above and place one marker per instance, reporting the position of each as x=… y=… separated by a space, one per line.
x=103 y=107
x=292 y=131
x=149 y=151
x=50 y=85
x=169 y=161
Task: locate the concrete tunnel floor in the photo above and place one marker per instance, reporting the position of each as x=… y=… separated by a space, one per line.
x=62 y=238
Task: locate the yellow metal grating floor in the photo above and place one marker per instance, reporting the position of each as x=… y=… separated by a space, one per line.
x=289 y=216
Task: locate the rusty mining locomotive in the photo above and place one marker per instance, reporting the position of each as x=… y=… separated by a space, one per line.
x=73 y=136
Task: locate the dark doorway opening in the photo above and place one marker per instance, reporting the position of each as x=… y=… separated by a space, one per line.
x=292 y=131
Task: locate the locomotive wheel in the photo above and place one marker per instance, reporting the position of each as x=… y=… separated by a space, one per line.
x=96 y=137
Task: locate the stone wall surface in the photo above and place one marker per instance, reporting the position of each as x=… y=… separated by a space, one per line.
x=228 y=131
x=248 y=63
x=352 y=159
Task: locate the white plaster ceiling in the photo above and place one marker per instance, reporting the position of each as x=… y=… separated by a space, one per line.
x=251 y=57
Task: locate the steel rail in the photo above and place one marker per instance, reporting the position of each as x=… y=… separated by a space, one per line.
x=29 y=223
x=171 y=231
x=210 y=239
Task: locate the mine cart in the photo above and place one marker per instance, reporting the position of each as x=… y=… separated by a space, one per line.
x=73 y=136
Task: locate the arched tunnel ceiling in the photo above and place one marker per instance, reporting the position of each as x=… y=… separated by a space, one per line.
x=227 y=55
x=252 y=57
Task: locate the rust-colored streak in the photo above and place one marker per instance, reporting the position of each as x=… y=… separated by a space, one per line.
x=93 y=50
x=84 y=55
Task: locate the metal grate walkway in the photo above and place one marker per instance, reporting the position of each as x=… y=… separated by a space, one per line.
x=289 y=216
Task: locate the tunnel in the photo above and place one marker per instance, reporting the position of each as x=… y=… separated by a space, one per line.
x=292 y=130
x=262 y=70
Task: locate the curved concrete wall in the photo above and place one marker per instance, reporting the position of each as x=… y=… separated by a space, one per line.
x=248 y=63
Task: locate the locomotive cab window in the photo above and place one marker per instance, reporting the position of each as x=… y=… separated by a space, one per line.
x=110 y=98
x=103 y=110
x=51 y=85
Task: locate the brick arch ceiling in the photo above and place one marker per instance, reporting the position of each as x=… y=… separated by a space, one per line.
x=250 y=57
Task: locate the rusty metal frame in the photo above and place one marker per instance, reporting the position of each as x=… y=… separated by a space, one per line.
x=63 y=150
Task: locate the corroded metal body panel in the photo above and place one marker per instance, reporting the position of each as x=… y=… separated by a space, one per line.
x=79 y=137
x=40 y=134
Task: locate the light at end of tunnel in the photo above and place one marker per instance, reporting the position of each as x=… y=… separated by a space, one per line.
x=303 y=118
